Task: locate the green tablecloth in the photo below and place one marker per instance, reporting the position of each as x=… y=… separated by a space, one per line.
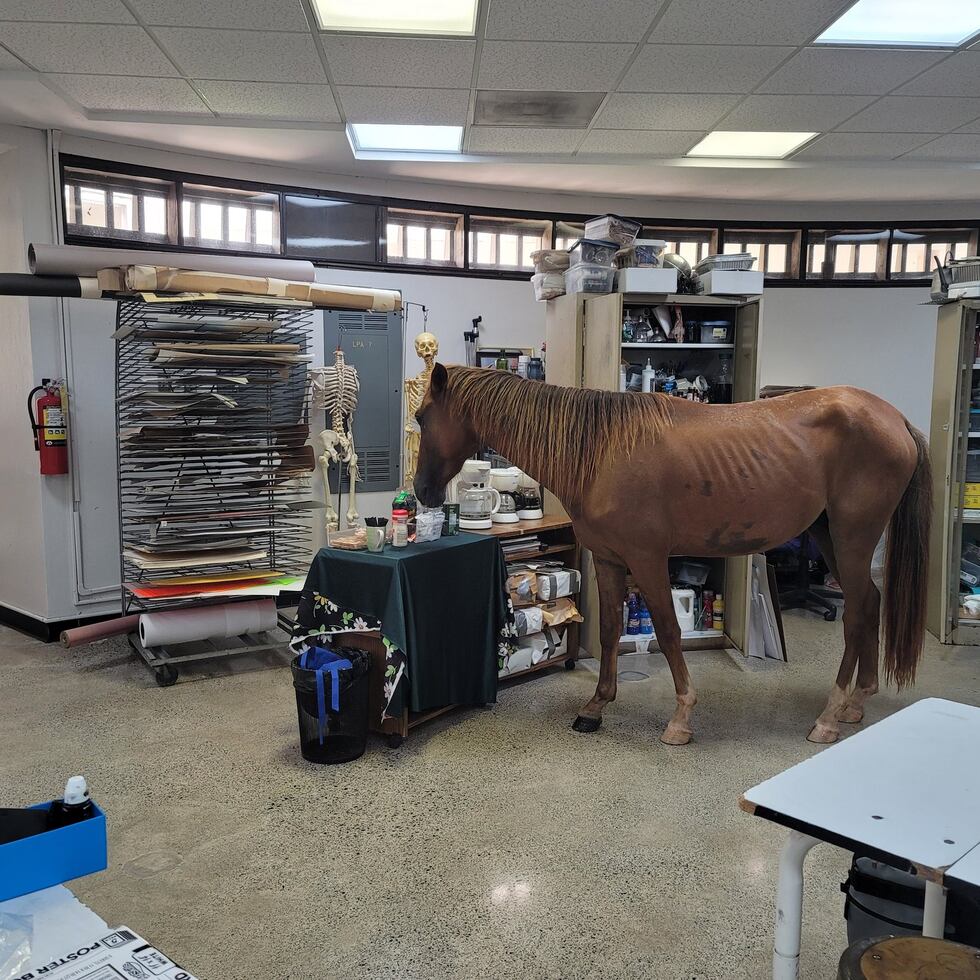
x=442 y=603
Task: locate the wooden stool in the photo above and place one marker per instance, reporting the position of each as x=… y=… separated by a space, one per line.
x=909 y=958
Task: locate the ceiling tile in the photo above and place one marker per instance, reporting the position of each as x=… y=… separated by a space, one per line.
x=701 y=67
x=516 y=139
x=745 y=21
x=955 y=146
x=115 y=92
x=248 y=56
x=794 y=113
x=552 y=66
x=422 y=106
x=67 y=11
x=410 y=61
x=912 y=114
x=86 y=49
x=677 y=112
x=271 y=100
x=9 y=63
x=862 y=146
x=255 y=15
x=570 y=20
x=958 y=75
x=626 y=142
x=848 y=71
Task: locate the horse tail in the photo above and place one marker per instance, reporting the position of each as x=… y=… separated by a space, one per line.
x=906 y=560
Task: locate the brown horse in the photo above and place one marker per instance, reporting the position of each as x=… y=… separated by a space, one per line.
x=644 y=477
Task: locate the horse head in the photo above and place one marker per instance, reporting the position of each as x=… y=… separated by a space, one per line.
x=446 y=441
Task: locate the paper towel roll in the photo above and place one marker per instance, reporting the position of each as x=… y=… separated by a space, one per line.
x=207 y=622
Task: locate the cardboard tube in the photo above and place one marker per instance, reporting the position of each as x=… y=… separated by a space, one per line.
x=207 y=622
x=80 y=635
x=22 y=284
x=85 y=260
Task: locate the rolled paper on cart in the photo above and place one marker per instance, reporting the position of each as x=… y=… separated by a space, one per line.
x=22 y=284
x=94 y=632
x=140 y=278
x=207 y=622
x=85 y=260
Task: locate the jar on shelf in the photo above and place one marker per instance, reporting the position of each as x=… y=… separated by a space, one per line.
x=399 y=528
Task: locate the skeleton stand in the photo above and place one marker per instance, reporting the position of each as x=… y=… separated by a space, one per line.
x=335 y=390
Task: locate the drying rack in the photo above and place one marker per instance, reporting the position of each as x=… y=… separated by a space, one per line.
x=187 y=471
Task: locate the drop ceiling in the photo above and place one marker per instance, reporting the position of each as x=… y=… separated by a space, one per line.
x=256 y=79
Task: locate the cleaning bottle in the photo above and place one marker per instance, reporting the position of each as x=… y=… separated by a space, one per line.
x=647 y=376
x=718 y=614
x=646 y=621
x=633 y=620
x=75 y=806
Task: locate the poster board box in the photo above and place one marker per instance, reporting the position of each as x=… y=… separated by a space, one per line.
x=721 y=282
x=646 y=280
x=51 y=858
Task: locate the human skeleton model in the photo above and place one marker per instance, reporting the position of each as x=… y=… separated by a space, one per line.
x=427 y=347
x=335 y=390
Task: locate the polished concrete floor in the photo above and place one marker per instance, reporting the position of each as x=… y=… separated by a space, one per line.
x=495 y=843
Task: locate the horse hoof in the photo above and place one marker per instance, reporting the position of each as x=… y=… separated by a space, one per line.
x=851 y=716
x=822 y=735
x=584 y=724
x=675 y=736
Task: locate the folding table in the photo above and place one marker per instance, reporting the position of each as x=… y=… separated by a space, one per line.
x=905 y=791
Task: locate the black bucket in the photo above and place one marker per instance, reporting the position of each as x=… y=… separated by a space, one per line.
x=342 y=734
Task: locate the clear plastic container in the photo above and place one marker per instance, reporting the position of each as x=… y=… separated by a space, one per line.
x=589 y=278
x=740 y=262
x=613 y=228
x=550 y=260
x=644 y=253
x=548 y=285
x=592 y=251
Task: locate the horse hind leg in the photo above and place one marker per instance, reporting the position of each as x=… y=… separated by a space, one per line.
x=656 y=590
x=611 y=582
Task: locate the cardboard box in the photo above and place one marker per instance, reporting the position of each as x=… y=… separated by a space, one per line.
x=723 y=283
x=646 y=280
x=43 y=860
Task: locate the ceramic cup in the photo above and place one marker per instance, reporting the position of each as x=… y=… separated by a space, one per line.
x=375 y=538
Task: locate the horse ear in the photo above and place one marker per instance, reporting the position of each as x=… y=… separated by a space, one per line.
x=439 y=380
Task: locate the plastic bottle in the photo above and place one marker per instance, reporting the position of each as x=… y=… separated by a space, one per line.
x=647 y=376
x=633 y=620
x=75 y=806
x=718 y=614
x=646 y=622
x=399 y=528
x=707 y=609
x=622 y=377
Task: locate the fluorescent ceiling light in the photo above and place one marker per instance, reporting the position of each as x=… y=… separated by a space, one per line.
x=384 y=137
x=770 y=146
x=398 y=16
x=906 y=23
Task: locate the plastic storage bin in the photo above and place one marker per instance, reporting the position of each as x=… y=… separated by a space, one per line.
x=333 y=714
x=548 y=285
x=587 y=278
x=550 y=260
x=590 y=251
x=644 y=253
x=613 y=228
x=740 y=262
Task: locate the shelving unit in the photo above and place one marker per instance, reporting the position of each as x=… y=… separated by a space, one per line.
x=956 y=375
x=585 y=349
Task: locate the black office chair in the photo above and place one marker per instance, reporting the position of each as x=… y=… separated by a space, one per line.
x=802 y=594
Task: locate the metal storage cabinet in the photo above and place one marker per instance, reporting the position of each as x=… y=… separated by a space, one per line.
x=584 y=344
x=372 y=343
x=956 y=372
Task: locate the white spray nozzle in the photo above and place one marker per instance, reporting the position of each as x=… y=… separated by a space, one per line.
x=76 y=791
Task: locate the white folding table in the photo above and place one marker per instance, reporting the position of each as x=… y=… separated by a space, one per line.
x=905 y=791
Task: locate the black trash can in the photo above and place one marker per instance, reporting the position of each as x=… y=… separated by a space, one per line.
x=333 y=711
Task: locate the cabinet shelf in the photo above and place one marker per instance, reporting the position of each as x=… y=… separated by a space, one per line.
x=672 y=346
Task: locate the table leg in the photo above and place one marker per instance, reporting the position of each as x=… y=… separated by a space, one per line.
x=934 y=913
x=789 y=906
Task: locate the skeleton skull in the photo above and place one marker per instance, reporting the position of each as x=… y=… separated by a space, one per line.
x=426 y=345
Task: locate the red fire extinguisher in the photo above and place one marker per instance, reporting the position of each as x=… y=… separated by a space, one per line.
x=49 y=425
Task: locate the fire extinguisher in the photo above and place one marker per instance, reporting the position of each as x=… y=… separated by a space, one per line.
x=49 y=426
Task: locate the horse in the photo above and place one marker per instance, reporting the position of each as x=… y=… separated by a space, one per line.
x=647 y=476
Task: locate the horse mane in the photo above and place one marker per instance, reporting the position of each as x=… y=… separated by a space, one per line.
x=570 y=433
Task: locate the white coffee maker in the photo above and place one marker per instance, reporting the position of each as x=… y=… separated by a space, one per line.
x=478 y=501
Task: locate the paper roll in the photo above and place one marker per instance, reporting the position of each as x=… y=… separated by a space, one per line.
x=85 y=260
x=80 y=635
x=22 y=284
x=207 y=622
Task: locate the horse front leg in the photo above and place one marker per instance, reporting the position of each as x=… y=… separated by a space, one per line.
x=654 y=582
x=611 y=582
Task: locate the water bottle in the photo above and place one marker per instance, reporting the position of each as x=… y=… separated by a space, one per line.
x=633 y=620
x=75 y=806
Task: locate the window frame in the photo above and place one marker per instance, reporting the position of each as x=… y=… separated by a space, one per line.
x=497 y=225
x=882 y=245
x=198 y=195
x=791 y=238
x=452 y=222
